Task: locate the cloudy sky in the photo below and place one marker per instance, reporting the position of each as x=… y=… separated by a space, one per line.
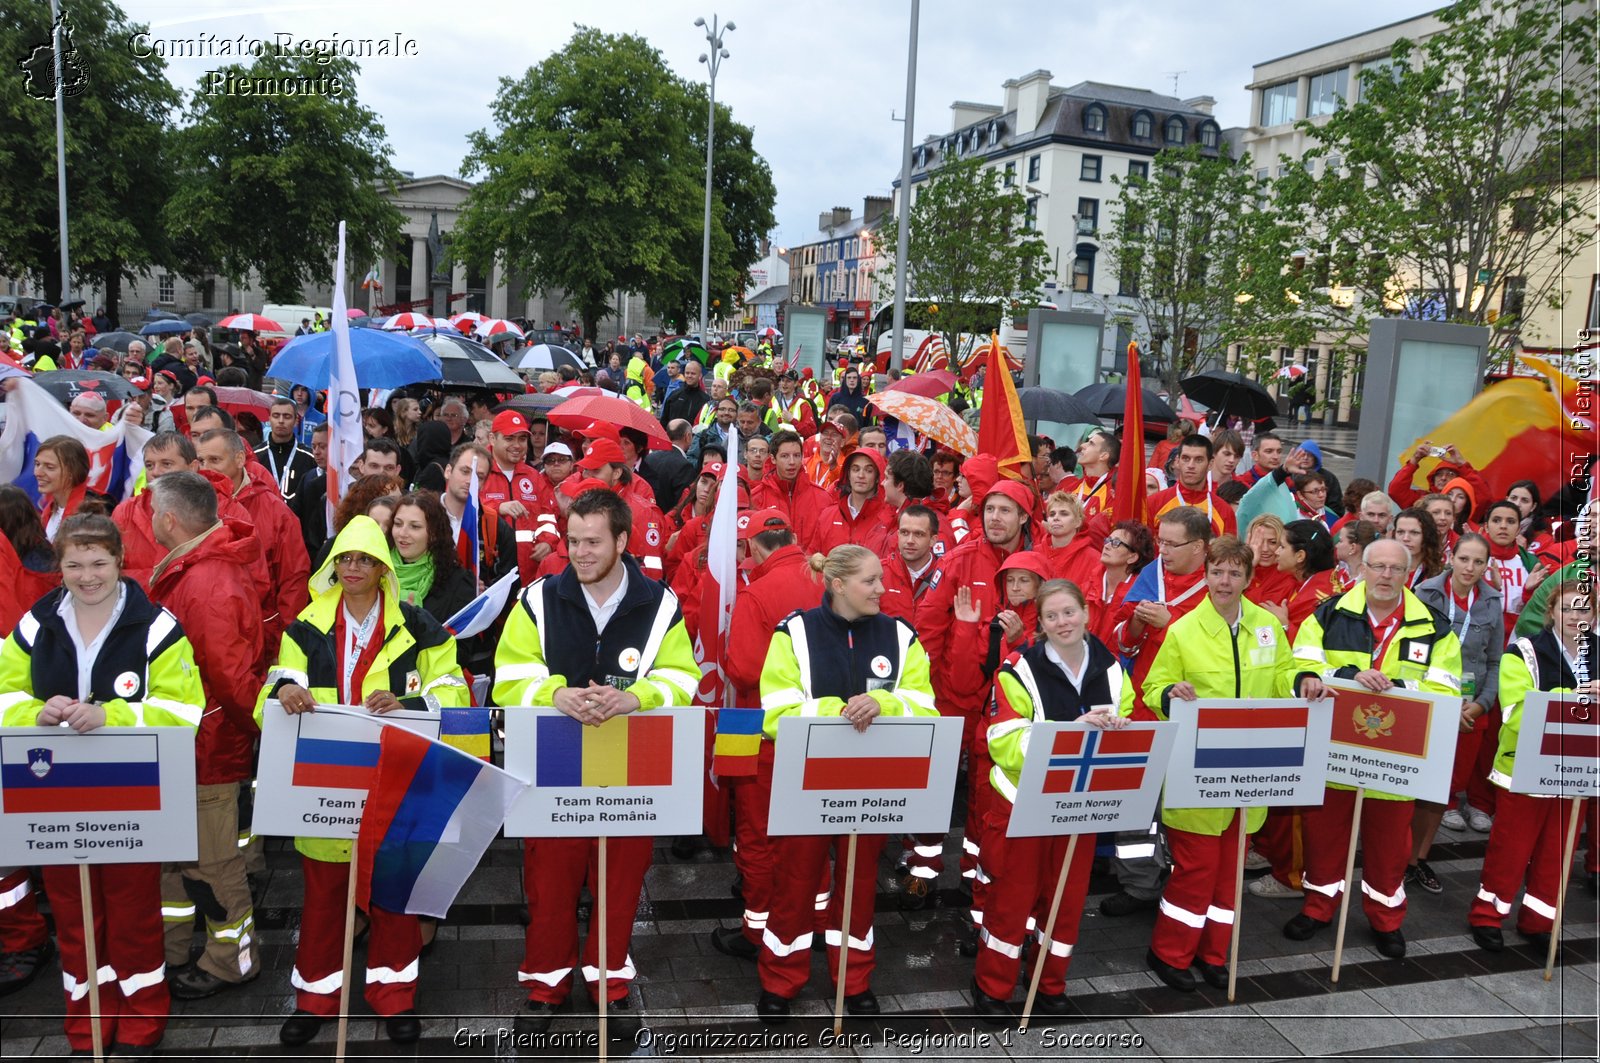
x=817 y=81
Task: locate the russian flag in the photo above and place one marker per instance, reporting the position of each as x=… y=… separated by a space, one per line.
x=336 y=763
x=100 y=772
x=467 y=548
x=1251 y=738
x=895 y=757
x=430 y=815
x=479 y=615
x=33 y=415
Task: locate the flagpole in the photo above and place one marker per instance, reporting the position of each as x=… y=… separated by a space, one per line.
x=1238 y=908
x=1049 y=934
x=349 y=947
x=1561 y=894
x=93 y=962
x=844 y=934
x=600 y=948
x=1349 y=869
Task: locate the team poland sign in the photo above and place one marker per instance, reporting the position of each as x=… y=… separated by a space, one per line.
x=897 y=776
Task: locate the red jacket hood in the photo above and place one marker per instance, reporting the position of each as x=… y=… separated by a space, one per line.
x=982 y=472
x=235 y=542
x=844 y=468
x=783 y=557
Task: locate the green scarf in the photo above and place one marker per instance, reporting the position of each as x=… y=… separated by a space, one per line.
x=416 y=578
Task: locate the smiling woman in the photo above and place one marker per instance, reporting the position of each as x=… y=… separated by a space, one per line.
x=61 y=470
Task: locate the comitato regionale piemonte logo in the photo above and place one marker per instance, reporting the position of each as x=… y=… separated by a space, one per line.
x=39 y=66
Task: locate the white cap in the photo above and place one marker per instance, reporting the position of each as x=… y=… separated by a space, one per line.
x=558 y=448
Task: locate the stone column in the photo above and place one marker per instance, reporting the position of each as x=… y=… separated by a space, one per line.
x=419 y=267
x=1324 y=376
x=498 y=296
x=458 y=283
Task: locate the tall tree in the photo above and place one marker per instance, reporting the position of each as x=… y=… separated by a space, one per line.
x=1197 y=248
x=971 y=250
x=265 y=178
x=118 y=120
x=1460 y=180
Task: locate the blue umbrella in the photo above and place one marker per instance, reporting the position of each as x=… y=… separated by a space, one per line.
x=382 y=359
x=162 y=328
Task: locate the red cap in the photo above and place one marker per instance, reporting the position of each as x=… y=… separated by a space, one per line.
x=142 y=383
x=588 y=483
x=712 y=468
x=755 y=521
x=509 y=423
x=832 y=426
x=1028 y=561
x=602 y=451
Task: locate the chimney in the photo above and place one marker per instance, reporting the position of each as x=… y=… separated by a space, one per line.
x=1011 y=94
x=1203 y=104
x=875 y=207
x=841 y=215
x=1033 y=91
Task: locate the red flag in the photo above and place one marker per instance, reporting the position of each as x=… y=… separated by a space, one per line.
x=1132 y=501
x=1001 y=433
x=1382 y=722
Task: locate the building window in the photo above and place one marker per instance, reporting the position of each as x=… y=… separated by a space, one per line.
x=1278 y=103
x=1524 y=214
x=1094 y=119
x=1384 y=68
x=1128 y=282
x=994 y=134
x=1175 y=130
x=1283 y=169
x=1327 y=92
x=1033 y=167
x=1210 y=136
x=1138 y=171
x=1090 y=171
x=1142 y=125
x=1511 y=299
x=922 y=157
x=1083 y=270
x=1310 y=165
x=1030 y=217
x=1088 y=216
x=1333 y=164
x=1263 y=173
x=1011 y=175
x=166 y=288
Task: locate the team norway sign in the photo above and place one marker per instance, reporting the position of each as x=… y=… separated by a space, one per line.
x=1077 y=779
x=896 y=776
x=116 y=795
x=1400 y=741
x=1251 y=753
x=1558 y=746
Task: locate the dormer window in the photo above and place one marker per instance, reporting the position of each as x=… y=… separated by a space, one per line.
x=1175 y=130
x=1210 y=135
x=1143 y=125
x=1094 y=119
x=994 y=134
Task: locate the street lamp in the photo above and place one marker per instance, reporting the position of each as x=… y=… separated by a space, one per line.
x=713 y=60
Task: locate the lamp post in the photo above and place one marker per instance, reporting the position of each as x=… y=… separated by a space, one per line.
x=713 y=59
x=903 y=236
x=61 y=151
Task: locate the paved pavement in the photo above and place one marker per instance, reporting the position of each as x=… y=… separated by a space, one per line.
x=1447 y=999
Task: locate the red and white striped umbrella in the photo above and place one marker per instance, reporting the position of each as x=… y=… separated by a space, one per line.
x=469 y=315
x=1292 y=372
x=492 y=328
x=250 y=323
x=409 y=320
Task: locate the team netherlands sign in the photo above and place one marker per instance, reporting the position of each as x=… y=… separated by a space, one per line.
x=1400 y=741
x=637 y=775
x=116 y=795
x=318 y=766
x=896 y=776
x=1077 y=779
x=1247 y=753
x=1558 y=746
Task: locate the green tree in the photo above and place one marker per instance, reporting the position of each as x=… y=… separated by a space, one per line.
x=592 y=182
x=1460 y=181
x=1197 y=248
x=971 y=248
x=118 y=119
x=265 y=179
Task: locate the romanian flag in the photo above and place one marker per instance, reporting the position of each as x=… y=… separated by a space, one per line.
x=467 y=730
x=633 y=750
x=1001 y=433
x=738 y=742
x=335 y=763
x=1132 y=502
x=80 y=773
x=1382 y=722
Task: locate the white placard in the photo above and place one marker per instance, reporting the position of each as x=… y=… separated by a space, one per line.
x=1399 y=742
x=1077 y=779
x=315 y=767
x=897 y=776
x=638 y=775
x=1247 y=753
x=1558 y=746
x=117 y=795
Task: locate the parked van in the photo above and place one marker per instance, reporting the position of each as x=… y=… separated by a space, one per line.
x=289 y=314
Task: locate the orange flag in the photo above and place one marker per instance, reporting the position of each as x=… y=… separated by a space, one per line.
x=1001 y=434
x=1132 y=502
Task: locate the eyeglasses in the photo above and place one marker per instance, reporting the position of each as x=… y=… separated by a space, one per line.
x=356 y=561
x=1385 y=570
x=1112 y=540
x=1168 y=545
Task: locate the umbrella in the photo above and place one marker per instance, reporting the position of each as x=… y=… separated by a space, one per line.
x=744 y=353
x=467 y=363
x=1110 y=400
x=1230 y=393
x=573 y=391
x=363 y=321
x=72 y=304
x=497 y=328
x=116 y=341
x=683 y=347
x=542 y=356
x=1292 y=372
x=929 y=385
x=930 y=417
x=772 y=334
x=582 y=413
x=355 y=312
x=244 y=400
x=537 y=404
x=469 y=315
x=198 y=320
x=250 y=323
x=165 y=328
x=1051 y=404
x=68 y=384
x=149 y=315
x=410 y=320
x=382 y=360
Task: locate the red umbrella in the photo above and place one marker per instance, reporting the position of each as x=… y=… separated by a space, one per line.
x=250 y=323
x=244 y=400
x=930 y=385
x=584 y=412
x=354 y=312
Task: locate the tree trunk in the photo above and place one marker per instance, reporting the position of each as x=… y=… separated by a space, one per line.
x=113 y=282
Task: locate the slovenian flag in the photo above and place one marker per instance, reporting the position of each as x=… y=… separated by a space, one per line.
x=338 y=763
x=1251 y=738
x=894 y=757
x=431 y=813
x=738 y=742
x=1097 y=761
x=632 y=750
x=480 y=614
x=98 y=772
x=33 y=415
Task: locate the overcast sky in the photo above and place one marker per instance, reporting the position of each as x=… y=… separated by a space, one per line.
x=817 y=81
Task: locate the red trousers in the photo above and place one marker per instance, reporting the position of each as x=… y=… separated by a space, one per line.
x=1023 y=874
x=785 y=961
x=21 y=926
x=754 y=854
x=1591 y=857
x=1195 y=920
x=1525 y=843
x=714 y=793
x=1481 y=793
x=554 y=871
x=393 y=944
x=1281 y=840
x=1467 y=746
x=1385 y=852
x=980 y=799
x=128 y=948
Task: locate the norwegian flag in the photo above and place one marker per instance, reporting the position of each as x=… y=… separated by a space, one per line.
x=721 y=580
x=1098 y=761
x=33 y=415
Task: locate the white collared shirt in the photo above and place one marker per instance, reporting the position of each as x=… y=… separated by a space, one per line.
x=1075 y=678
x=88 y=653
x=602 y=612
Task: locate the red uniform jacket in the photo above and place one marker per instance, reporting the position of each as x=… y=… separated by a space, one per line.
x=903 y=596
x=802 y=501
x=1181 y=594
x=528 y=486
x=285 y=548
x=1223 y=521
x=974 y=564
x=875 y=527
x=1307 y=594
x=1405 y=494
x=783 y=584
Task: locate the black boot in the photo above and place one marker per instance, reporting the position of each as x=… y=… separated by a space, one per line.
x=992 y=1010
x=299 y=1028
x=772 y=1009
x=730 y=941
x=1178 y=978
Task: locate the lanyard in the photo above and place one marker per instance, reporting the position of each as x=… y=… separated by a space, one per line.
x=1461 y=632
x=272 y=463
x=1161 y=588
x=356 y=639
x=1382 y=638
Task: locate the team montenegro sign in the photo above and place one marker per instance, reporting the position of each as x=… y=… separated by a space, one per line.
x=1400 y=741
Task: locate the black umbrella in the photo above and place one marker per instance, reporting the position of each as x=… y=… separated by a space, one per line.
x=1110 y=400
x=199 y=320
x=1230 y=394
x=534 y=405
x=160 y=315
x=467 y=363
x=68 y=384
x=72 y=304
x=116 y=341
x=1050 y=404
